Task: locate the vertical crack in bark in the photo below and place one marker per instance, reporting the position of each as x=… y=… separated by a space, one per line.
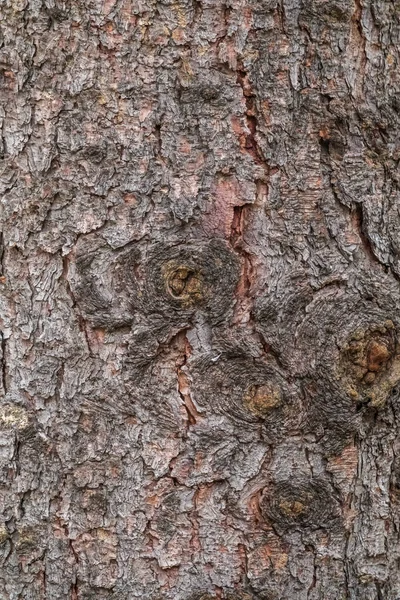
x=313 y=583
x=44 y=574
x=3 y=363
x=16 y=461
x=81 y=320
x=243 y=311
x=195 y=540
x=197 y=12
x=1 y=254
x=307 y=456
x=357 y=215
x=357 y=15
x=227 y=11
x=74 y=588
x=243 y=554
x=379 y=594
x=60 y=379
x=244 y=299
x=158 y=140
x=346 y=565
x=183 y=380
x=251 y=145
x=2 y=338
x=74 y=584
x=351 y=537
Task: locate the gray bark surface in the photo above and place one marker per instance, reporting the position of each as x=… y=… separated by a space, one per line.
x=199 y=300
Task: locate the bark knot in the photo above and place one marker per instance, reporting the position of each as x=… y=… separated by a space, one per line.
x=368 y=359
x=184 y=283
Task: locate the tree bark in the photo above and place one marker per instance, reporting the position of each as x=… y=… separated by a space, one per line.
x=200 y=325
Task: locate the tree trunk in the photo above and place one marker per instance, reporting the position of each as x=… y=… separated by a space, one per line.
x=200 y=296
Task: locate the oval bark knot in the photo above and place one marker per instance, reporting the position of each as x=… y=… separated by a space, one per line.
x=262 y=398
x=184 y=283
x=345 y=353
x=298 y=503
x=246 y=391
x=172 y=281
x=369 y=362
x=180 y=280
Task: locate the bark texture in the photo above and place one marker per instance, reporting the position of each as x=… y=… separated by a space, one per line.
x=199 y=304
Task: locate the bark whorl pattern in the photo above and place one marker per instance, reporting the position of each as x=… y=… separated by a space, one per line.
x=300 y=504
x=196 y=277
x=358 y=361
x=103 y=283
x=199 y=299
x=250 y=393
x=173 y=281
x=342 y=345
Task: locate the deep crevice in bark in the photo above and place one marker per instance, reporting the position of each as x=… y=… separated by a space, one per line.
x=183 y=381
x=358 y=220
x=244 y=296
x=251 y=145
x=3 y=362
x=80 y=318
x=1 y=254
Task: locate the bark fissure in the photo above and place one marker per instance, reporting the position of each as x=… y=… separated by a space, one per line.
x=251 y=144
x=2 y=266
x=81 y=320
x=3 y=362
x=358 y=219
x=183 y=381
x=357 y=19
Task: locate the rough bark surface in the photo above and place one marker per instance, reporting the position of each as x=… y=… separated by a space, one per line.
x=200 y=325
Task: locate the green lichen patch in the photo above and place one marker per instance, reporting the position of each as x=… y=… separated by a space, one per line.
x=4 y=535
x=13 y=417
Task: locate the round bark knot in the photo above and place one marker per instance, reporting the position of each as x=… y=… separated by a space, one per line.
x=299 y=504
x=246 y=391
x=184 y=283
x=292 y=508
x=369 y=361
x=261 y=399
x=186 y=279
x=378 y=356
